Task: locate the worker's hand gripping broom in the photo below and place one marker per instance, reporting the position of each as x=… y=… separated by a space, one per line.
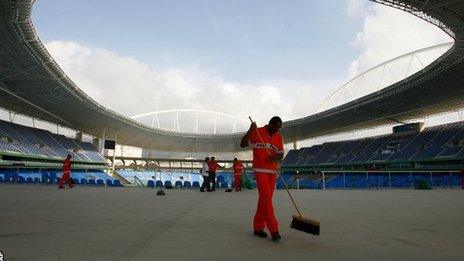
x=298 y=222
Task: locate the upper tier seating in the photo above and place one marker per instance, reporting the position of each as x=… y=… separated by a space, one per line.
x=438 y=142
x=37 y=142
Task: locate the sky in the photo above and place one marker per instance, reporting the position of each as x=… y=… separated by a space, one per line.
x=259 y=58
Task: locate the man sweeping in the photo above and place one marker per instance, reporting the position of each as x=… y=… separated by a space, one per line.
x=238 y=171
x=267 y=151
x=66 y=177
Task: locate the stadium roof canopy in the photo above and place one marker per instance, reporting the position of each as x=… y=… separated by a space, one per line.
x=32 y=83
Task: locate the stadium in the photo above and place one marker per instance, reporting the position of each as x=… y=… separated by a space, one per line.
x=390 y=196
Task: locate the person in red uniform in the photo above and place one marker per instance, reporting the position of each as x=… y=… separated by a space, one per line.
x=66 y=177
x=213 y=166
x=268 y=150
x=238 y=171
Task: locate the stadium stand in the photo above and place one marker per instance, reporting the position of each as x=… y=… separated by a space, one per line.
x=439 y=146
x=399 y=160
x=28 y=141
x=370 y=180
x=34 y=156
x=52 y=176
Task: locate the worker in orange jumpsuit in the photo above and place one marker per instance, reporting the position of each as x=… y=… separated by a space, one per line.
x=238 y=171
x=268 y=150
x=213 y=166
x=66 y=177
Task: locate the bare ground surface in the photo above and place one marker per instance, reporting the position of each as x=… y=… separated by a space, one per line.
x=88 y=223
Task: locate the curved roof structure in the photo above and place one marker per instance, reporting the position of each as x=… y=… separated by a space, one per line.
x=32 y=83
x=384 y=75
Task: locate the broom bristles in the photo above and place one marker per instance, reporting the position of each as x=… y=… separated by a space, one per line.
x=305 y=224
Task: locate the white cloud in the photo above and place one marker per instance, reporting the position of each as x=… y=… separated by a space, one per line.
x=131 y=87
x=357 y=8
x=388 y=33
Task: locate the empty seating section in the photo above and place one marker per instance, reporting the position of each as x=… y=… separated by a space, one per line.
x=291 y=158
x=343 y=150
x=326 y=151
x=416 y=143
x=4 y=146
x=36 y=142
x=307 y=154
x=370 y=150
x=358 y=147
x=433 y=143
x=9 y=134
x=394 y=145
x=174 y=179
x=371 y=180
x=433 y=147
x=95 y=177
x=452 y=147
x=91 y=152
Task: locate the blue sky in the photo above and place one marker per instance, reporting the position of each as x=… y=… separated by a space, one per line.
x=251 y=42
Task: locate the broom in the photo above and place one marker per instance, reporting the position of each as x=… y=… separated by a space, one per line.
x=299 y=222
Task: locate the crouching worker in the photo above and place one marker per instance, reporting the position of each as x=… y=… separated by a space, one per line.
x=268 y=149
x=66 y=177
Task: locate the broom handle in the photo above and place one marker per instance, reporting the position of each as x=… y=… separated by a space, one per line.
x=278 y=173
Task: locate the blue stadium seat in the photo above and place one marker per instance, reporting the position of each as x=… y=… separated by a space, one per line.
x=159 y=183
x=83 y=181
x=151 y=184
x=220 y=179
x=21 y=180
x=1 y=179
x=44 y=177
x=100 y=182
x=29 y=180
x=224 y=184
x=117 y=183
x=91 y=182
x=75 y=180
x=109 y=182
x=36 y=180
x=52 y=178
x=196 y=184
x=7 y=177
x=178 y=184
x=187 y=184
x=168 y=184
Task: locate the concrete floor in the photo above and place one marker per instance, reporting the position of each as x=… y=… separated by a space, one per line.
x=44 y=223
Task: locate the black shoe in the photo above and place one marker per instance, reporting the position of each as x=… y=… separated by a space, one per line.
x=260 y=233
x=276 y=237
x=202 y=190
